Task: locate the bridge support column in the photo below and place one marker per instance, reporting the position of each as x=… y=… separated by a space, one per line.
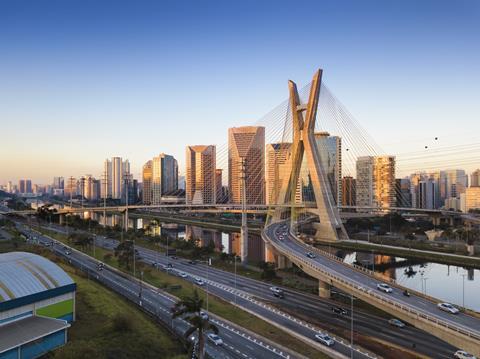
x=283 y=262
x=61 y=219
x=324 y=289
x=269 y=253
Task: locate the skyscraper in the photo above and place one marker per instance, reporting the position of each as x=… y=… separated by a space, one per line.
x=115 y=171
x=58 y=183
x=147 y=176
x=277 y=156
x=452 y=183
x=25 y=186
x=247 y=145
x=404 y=197
x=475 y=178
x=330 y=151
x=348 y=191
x=164 y=176
x=376 y=181
x=201 y=177
x=219 y=186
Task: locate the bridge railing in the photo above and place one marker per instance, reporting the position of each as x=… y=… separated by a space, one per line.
x=358 y=287
x=340 y=260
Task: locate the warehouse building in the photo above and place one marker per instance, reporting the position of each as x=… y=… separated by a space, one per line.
x=37 y=303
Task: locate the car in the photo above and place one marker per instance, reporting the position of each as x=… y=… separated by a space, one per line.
x=384 y=288
x=68 y=252
x=275 y=289
x=100 y=266
x=199 y=281
x=338 y=310
x=310 y=255
x=396 y=323
x=215 y=339
x=462 y=354
x=169 y=265
x=154 y=264
x=203 y=315
x=192 y=261
x=324 y=339
x=449 y=308
x=183 y=274
x=279 y=294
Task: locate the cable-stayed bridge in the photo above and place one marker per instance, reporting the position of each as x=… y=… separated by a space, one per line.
x=305 y=189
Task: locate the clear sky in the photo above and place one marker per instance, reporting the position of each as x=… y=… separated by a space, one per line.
x=84 y=80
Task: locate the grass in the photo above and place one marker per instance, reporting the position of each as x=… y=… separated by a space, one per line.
x=107 y=325
x=182 y=288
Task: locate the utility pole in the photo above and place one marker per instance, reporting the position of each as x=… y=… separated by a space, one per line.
x=463 y=291
x=351 y=326
x=244 y=228
x=105 y=194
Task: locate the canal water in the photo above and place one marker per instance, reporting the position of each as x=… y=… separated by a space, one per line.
x=454 y=284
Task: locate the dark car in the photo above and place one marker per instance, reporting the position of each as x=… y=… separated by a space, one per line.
x=338 y=310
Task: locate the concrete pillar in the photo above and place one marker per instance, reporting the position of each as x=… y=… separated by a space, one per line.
x=324 y=289
x=269 y=253
x=61 y=219
x=282 y=262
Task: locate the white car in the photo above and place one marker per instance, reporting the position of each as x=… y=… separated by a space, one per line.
x=215 y=339
x=384 y=288
x=324 y=339
x=183 y=274
x=199 y=281
x=447 y=307
x=203 y=315
x=276 y=289
x=462 y=354
x=310 y=255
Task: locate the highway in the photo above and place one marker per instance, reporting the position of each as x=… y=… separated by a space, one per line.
x=238 y=343
x=296 y=305
x=351 y=275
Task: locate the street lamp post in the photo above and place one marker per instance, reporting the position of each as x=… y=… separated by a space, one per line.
x=463 y=291
x=351 y=326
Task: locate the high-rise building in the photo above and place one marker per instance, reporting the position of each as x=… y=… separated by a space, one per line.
x=376 y=181
x=277 y=157
x=427 y=194
x=147 y=176
x=472 y=198
x=9 y=187
x=58 y=183
x=403 y=188
x=115 y=175
x=201 y=177
x=164 y=176
x=475 y=178
x=91 y=188
x=452 y=183
x=71 y=187
x=246 y=156
x=219 y=186
x=349 y=191
x=330 y=152
x=25 y=186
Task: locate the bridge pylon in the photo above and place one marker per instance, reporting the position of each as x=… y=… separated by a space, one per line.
x=304 y=144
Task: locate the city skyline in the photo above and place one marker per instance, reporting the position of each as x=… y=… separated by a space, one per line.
x=89 y=91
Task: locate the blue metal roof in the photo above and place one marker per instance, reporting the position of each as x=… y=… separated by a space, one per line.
x=23 y=274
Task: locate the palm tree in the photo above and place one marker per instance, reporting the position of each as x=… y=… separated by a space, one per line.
x=191 y=308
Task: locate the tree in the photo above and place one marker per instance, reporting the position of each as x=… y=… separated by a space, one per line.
x=124 y=253
x=83 y=240
x=191 y=307
x=268 y=270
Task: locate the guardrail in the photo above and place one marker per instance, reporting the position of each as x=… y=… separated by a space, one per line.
x=368 y=291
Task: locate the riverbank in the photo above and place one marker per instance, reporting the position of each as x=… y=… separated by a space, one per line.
x=409 y=253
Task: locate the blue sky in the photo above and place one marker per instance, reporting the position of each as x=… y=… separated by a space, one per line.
x=84 y=80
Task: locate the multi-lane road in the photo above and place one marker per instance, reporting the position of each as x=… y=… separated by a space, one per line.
x=280 y=235
x=256 y=296
x=238 y=343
